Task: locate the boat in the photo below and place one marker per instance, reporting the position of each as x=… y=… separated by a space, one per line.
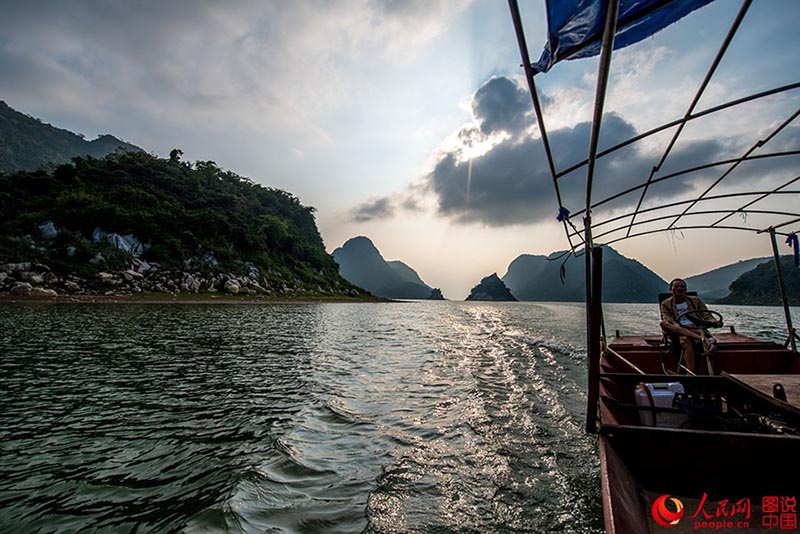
x=680 y=449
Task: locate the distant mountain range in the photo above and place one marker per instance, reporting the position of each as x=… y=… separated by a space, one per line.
x=715 y=284
x=539 y=278
x=750 y=282
x=361 y=263
x=532 y=277
x=27 y=144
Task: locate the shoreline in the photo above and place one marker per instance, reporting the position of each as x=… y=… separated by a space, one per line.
x=186 y=299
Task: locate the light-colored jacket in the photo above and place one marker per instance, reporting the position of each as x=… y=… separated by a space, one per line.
x=669 y=311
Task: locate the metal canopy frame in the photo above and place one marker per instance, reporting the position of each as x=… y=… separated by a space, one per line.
x=579 y=226
x=574 y=226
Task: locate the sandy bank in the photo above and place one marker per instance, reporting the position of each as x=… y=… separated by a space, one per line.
x=184 y=299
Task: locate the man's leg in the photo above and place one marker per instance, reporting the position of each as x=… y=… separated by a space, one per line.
x=687 y=339
x=688 y=353
x=680 y=330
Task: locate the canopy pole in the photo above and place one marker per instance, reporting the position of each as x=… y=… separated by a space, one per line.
x=595 y=321
x=592 y=317
x=587 y=259
x=758 y=144
x=537 y=106
x=784 y=297
x=600 y=95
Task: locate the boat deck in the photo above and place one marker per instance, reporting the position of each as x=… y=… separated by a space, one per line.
x=736 y=354
x=652 y=341
x=764 y=384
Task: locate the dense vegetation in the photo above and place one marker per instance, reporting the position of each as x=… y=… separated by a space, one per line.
x=760 y=286
x=27 y=143
x=715 y=284
x=214 y=218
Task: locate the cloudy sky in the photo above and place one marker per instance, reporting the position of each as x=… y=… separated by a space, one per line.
x=408 y=121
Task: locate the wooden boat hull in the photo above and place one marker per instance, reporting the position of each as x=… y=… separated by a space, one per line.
x=702 y=465
x=640 y=464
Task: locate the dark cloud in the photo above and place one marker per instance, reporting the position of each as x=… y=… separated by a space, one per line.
x=376 y=208
x=410 y=204
x=127 y=60
x=511 y=183
x=88 y=36
x=387 y=206
x=502 y=105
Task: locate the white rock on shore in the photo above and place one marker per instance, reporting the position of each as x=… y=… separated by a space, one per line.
x=231 y=287
x=22 y=289
x=43 y=292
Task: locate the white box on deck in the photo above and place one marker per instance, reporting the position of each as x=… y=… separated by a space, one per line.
x=662 y=394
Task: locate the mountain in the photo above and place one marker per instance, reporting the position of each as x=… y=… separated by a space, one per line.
x=714 y=284
x=361 y=264
x=491 y=288
x=531 y=277
x=759 y=286
x=27 y=143
x=436 y=294
x=100 y=220
x=407 y=273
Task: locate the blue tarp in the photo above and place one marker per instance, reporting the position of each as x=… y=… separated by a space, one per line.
x=575 y=27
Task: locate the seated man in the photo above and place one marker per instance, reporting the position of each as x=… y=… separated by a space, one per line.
x=685 y=331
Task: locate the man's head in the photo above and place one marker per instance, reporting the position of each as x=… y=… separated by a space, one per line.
x=678 y=287
x=678 y=281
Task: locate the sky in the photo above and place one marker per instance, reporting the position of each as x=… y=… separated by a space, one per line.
x=409 y=122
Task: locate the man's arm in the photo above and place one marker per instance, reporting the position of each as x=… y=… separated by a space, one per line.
x=666 y=311
x=701 y=306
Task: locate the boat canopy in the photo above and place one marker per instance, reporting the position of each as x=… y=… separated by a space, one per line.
x=575 y=27
x=754 y=188
x=752 y=184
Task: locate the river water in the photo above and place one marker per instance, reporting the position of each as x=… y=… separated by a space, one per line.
x=382 y=418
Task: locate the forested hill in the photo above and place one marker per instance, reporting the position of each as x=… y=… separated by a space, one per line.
x=132 y=214
x=27 y=143
x=715 y=284
x=760 y=286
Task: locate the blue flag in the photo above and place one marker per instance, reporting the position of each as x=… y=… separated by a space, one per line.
x=575 y=27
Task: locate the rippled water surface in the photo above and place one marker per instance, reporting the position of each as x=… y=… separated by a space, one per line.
x=407 y=417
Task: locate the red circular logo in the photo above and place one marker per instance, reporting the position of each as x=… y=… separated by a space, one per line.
x=663 y=515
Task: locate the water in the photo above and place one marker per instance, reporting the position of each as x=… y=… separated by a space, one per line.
x=381 y=418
